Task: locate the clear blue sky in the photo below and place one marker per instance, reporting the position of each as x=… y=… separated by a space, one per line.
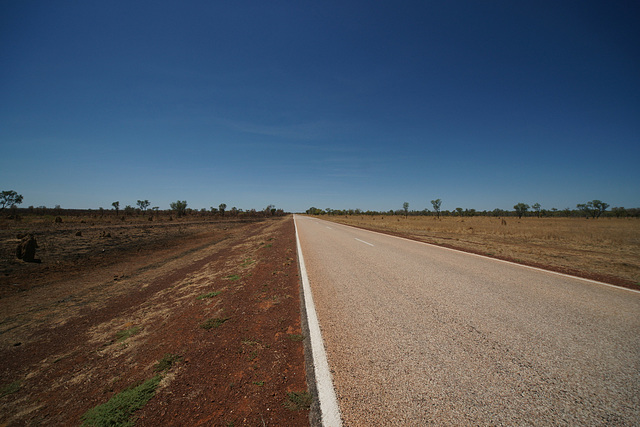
x=357 y=104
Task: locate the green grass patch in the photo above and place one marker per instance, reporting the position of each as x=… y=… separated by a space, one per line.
x=127 y=333
x=8 y=389
x=167 y=361
x=119 y=409
x=209 y=295
x=247 y=262
x=233 y=277
x=259 y=383
x=296 y=337
x=213 y=323
x=297 y=400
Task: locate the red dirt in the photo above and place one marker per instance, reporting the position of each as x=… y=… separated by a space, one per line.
x=59 y=320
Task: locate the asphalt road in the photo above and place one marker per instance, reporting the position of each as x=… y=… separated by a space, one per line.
x=417 y=334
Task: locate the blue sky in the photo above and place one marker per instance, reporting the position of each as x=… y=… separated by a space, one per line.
x=360 y=104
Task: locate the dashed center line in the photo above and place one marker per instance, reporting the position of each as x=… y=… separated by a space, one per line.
x=366 y=243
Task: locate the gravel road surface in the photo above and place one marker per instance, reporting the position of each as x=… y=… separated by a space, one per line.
x=417 y=334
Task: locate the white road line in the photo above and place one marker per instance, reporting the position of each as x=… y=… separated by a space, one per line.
x=326 y=394
x=366 y=243
x=497 y=259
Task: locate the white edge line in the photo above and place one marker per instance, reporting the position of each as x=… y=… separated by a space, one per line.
x=366 y=243
x=494 y=259
x=326 y=394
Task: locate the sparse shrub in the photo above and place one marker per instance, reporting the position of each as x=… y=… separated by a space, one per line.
x=297 y=400
x=209 y=295
x=9 y=388
x=127 y=333
x=118 y=410
x=213 y=323
x=167 y=361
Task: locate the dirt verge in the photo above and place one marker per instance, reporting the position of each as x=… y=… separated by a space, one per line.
x=220 y=300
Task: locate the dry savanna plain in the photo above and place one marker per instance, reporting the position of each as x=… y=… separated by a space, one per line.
x=197 y=320
x=605 y=249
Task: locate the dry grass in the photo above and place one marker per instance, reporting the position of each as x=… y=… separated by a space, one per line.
x=607 y=247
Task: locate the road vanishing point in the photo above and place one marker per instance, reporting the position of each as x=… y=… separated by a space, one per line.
x=417 y=334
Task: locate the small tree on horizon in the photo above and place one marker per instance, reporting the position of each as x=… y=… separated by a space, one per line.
x=405 y=207
x=521 y=209
x=595 y=208
x=9 y=198
x=536 y=207
x=436 y=206
x=143 y=205
x=222 y=207
x=619 y=211
x=116 y=206
x=269 y=210
x=180 y=207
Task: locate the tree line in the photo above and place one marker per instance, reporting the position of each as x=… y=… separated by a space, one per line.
x=10 y=200
x=591 y=209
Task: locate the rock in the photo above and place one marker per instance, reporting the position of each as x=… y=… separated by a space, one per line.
x=58 y=220
x=26 y=249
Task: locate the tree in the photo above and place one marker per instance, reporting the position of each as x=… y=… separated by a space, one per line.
x=595 y=208
x=536 y=207
x=143 y=205
x=128 y=210
x=436 y=206
x=222 y=207
x=180 y=207
x=9 y=198
x=405 y=207
x=116 y=206
x=619 y=211
x=521 y=209
x=314 y=211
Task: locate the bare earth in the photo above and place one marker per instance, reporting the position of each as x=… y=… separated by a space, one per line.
x=95 y=316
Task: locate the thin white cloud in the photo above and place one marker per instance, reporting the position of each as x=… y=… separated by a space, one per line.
x=316 y=130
